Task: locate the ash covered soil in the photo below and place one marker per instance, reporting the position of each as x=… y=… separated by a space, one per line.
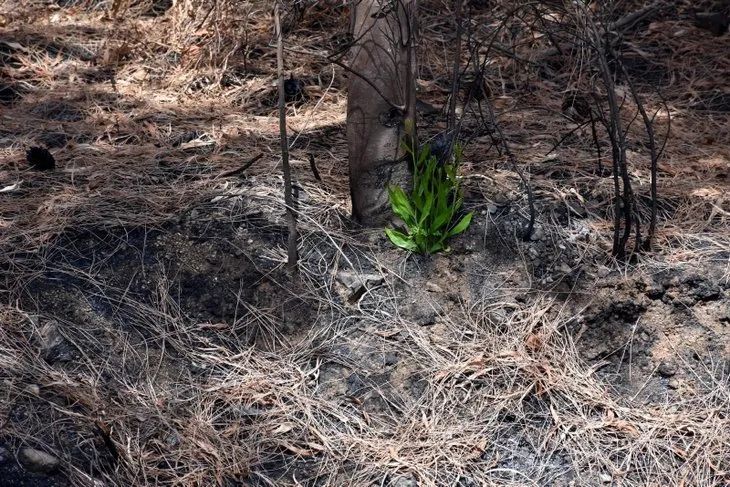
x=150 y=333
x=652 y=335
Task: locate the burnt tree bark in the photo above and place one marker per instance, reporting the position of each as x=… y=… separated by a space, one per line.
x=381 y=104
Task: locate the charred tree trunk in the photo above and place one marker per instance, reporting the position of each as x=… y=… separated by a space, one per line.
x=381 y=104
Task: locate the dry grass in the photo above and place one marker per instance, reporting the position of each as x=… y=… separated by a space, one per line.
x=494 y=393
x=504 y=398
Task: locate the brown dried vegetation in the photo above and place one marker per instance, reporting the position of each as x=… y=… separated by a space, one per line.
x=150 y=336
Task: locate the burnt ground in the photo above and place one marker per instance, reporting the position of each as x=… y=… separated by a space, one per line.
x=151 y=334
x=654 y=337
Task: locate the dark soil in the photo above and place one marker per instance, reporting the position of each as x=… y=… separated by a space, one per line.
x=655 y=332
x=652 y=337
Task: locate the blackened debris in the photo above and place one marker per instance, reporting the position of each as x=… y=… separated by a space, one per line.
x=293 y=89
x=40 y=159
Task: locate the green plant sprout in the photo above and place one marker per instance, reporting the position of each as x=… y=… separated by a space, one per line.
x=434 y=203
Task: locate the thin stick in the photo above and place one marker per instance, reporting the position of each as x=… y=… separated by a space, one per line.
x=451 y=122
x=649 y=126
x=313 y=166
x=288 y=199
x=242 y=169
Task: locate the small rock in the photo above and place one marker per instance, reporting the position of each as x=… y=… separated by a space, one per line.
x=390 y=358
x=434 y=288
x=358 y=284
x=673 y=384
x=54 y=346
x=537 y=234
x=605 y=478
x=353 y=283
x=498 y=316
x=667 y=369
x=139 y=74
x=453 y=297
x=603 y=271
x=38 y=461
x=33 y=389
x=355 y=383
x=403 y=481
x=422 y=315
x=372 y=279
x=465 y=481
x=172 y=439
x=565 y=268
x=654 y=291
x=595 y=352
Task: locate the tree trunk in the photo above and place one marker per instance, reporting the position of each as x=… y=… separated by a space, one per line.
x=381 y=104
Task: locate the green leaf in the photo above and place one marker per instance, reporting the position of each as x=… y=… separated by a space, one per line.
x=419 y=191
x=451 y=173
x=400 y=204
x=458 y=203
x=458 y=151
x=425 y=212
x=437 y=247
x=462 y=225
x=443 y=199
x=442 y=218
x=428 y=211
x=401 y=240
x=425 y=153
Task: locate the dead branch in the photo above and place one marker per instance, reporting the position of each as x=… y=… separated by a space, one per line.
x=242 y=169
x=288 y=196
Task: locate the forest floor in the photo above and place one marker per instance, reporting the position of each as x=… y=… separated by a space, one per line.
x=151 y=335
